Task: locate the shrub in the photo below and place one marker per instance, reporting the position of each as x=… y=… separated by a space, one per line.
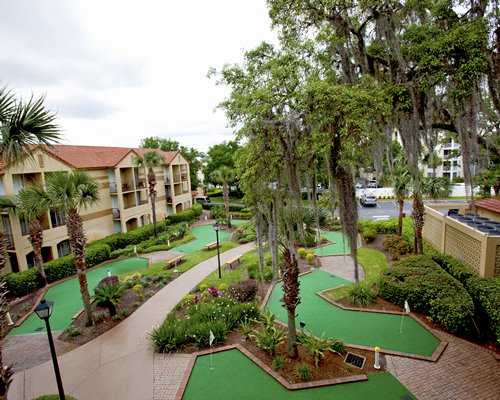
x=223 y=287
x=197 y=209
x=183 y=216
x=301 y=252
x=246 y=327
x=269 y=338
x=53 y=397
x=279 y=362
x=20 y=284
x=72 y=332
x=212 y=290
x=396 y=246
x=369 y=234
x=253 y=270
x=96 y=254
x=60 y=268
x=113 y=279
x=303 y=372
x=360 y=295
x=310 y=257
x=109 y=296
x=243 y=291
x=317 y=347
x=429 y=290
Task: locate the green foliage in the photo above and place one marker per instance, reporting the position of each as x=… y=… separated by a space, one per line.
x=243 y=291
x=183 y=216
x=96 y=254
x=254 y=271
x=310 y=257
x=246 y=327
x=429 y=290
x=197 y=209
x=369 y=233
x=301 y=252
x=72 y=332
x=220 y=315
x=60 y=268
x=396 y=246
x=245 y=233
x=53 y=397
x=360 y=295
x=109 y=296
x=303 y=372
x=317 y=347
x=269 y=337
x=20 y=284
x=279 y=363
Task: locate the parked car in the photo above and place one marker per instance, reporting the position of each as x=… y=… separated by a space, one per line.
x=202 y=199
x=372 y=184
x=358 y=185
x=368 y=199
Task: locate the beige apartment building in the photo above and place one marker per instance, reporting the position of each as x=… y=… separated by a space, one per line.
x=124 y=202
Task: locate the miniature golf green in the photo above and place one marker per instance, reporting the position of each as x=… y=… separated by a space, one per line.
x=67 y=299
x=234 y=376
x=354 y=327
x=341 y=245
x=204 y=235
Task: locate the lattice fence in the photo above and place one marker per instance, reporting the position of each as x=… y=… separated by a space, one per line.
x=463 y=247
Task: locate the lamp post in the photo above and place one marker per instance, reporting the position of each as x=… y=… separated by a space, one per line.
x=44 y=311
x=216 y=229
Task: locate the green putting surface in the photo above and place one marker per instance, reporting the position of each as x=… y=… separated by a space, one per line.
x=341 y=245
x=204 y=234
x=355 y=327
x=234 y=376
x=67 y=299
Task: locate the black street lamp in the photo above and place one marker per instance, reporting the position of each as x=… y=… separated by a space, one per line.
x=44 y=311
x=216 y=229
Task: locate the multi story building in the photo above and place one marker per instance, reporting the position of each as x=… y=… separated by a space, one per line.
x=124 y=202
x=451 y=160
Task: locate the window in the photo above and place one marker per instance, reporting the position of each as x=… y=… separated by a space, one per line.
x=24 y=225
x=57 y=218
x=63 y=249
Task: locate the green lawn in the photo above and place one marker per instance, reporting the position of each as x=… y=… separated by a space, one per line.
x=361 y=328
x=341 y=245
x=67 y=299
x=234 y=376
x=204 y=235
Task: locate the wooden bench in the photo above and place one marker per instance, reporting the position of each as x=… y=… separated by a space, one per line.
x=175 y=261
x=210 y=245
x=235 y=260
x=380 y=218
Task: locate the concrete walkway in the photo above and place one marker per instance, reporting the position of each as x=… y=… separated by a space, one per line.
x=119 y=363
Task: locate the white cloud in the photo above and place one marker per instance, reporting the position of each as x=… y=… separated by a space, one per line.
x=118 y=71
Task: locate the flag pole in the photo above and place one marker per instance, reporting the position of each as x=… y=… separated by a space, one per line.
x=210 y=341
x=406 y=310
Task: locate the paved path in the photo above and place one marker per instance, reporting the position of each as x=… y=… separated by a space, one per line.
x=119 y=363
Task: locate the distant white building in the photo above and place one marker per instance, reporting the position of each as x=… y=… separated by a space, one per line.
x=451 y=161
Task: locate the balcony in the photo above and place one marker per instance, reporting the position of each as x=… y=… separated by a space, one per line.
x=128 y=186
x=177 y=178
x=140 y=184
x=169 y=200
x=112 y=187
x=184 y=177
x=167 y=180
x=116 y=213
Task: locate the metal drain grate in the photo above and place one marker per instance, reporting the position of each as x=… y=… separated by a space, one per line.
x=355 y=360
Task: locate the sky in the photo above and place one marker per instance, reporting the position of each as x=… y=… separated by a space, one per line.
x=116 y=72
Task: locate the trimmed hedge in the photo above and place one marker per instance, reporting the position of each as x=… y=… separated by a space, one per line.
x=232 y=207
x=21 y=283
x=429 y=290
x=183 y=216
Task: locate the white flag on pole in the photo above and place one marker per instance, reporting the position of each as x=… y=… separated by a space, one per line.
x=407 y=307
x=211 y=339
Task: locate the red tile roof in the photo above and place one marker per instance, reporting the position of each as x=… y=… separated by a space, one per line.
x=100 y=156
x=491 y=204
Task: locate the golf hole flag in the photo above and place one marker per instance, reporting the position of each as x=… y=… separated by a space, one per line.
x=407 y=307
x=211 y=338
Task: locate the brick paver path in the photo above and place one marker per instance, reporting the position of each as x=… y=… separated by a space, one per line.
x=463 y=372
x=169 y=369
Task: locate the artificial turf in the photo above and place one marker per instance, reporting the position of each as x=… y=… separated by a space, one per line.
x=67 y=299
x=341 y=246
x=204 y=234
x=361 y=328
x=234 y=376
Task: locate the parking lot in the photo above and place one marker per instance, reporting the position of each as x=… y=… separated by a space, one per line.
x=390 y=208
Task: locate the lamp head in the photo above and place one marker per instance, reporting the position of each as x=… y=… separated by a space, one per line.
x=44 y=309
x=302 y=324
x=216 y=226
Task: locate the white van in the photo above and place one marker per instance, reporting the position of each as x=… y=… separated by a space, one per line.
x=202 y=199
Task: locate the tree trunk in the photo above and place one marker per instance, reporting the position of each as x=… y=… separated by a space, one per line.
x=36 y=239
x=273 y=239
x=291 y=298
x=418 y=224
x=260 y=242
x=152 y=196
x=3 y=250
x=401 y=203
x=225 y=194
x=77 y=241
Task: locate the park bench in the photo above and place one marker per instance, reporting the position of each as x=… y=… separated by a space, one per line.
x=210 y=245
x=173 y=262
x=234 y=260
x=381 y=218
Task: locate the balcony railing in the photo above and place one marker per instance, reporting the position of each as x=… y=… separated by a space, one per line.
x=140 y=184
x=184 y=177
x=9 y=239
x=112 y=187
x=127 y=186
x=169 y=200
x=177 y=178
x=167 y=180
x=116 y=213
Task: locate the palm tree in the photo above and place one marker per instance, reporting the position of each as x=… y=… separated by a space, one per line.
x=225 y=176
x=71 y=192
x=29 y=204
x=22 y=125
x=150 y=161
x=402 y=185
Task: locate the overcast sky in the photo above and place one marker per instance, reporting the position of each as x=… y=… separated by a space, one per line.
x=119 y=71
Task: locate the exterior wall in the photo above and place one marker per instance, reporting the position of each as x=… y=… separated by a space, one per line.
x=488 y=214
x=479 y=251
x=124 y=202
